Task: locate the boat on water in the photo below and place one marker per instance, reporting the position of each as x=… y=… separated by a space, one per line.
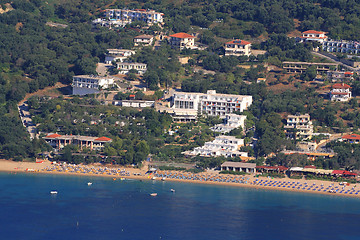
x=122 y=179
x=153 y=178
x=172 y=190
x=153 y=194
x=89 y=183
x=53 y=192
x=163 y=179
x=114 y=179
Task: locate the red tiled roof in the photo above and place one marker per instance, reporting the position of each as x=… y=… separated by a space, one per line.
x=352 y=137
x=55 y=135
x=239 y=42
x=341 y=86
x=337 y=171
x=103 y=139
x=310 y=166
x=313 y=32
x=181 y=35
x=343 y=172
x=349 y=73
x=131 y=95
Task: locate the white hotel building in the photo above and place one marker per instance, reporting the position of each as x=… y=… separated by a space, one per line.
x=232 y=121
x=227 y=146
x=128 y=16
x=186 y=105
x=89 y=84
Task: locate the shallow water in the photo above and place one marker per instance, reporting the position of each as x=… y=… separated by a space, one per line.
x=124 y=210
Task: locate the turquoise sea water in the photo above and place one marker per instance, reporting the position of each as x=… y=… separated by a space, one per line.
x=124 y=210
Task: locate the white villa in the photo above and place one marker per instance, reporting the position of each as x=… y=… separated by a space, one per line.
x=144 y=40
x=340 y=92
x=117 y=54
x=238 y=48
x=312 y=35
x=125 y=67
x=182 y=40
x=89 y=84
x=227 y=146
x=232 y=121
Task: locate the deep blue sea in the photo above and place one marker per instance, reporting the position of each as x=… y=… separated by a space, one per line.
x=124 y=210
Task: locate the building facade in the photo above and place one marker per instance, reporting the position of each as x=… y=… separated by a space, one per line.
x=125 y=67
x=351 y=138
x=239 y=167
x=343 y=46
x=337 y=76
x=144 y=40
x=58 y=141
x=340 y=92
x=129 y=16
x=134 y=103
x=231 y=122
x=300 y=67
x=227 y=146
x=312 y=35
x=210 y=103
x=89 y=84
x=117 y=55
x=182 y=40
x=299 y=125
x=238 y=48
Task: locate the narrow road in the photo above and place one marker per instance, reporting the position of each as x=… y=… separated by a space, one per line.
x=26 y=119
x=334 y=59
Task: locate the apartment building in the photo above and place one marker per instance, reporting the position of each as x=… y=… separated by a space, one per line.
x=340 y=92
x=58 y=141
x=312 y=35
x=144 y=40
x=89 y=84
x=227 y=146
x=128 y=16
x=189 y=105
x=300 y=67
x=238 y=48
x=125 y=67
x=342 y=46
x=182 y=40
x=231 y=122
x=337 y=76
x=299 y=124
x=117 y=55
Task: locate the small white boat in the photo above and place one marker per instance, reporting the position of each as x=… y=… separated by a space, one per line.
x=153 y=178
x=153 y=194
x=53 y=192
x=89 y=183
x=172 y=190
x=163 y=179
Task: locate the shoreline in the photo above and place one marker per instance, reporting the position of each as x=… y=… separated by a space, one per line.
x=248 y=181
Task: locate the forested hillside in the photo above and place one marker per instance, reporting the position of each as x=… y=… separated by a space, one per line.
x=34 y=55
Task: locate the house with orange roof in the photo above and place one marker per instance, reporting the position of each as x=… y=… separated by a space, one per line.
x=182 y=40
x=238 y=47
x=340 y=92
x=58 y=141
x=312 y=35
x=351 y=138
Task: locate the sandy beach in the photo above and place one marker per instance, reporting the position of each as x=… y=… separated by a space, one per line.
x=211 y=177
